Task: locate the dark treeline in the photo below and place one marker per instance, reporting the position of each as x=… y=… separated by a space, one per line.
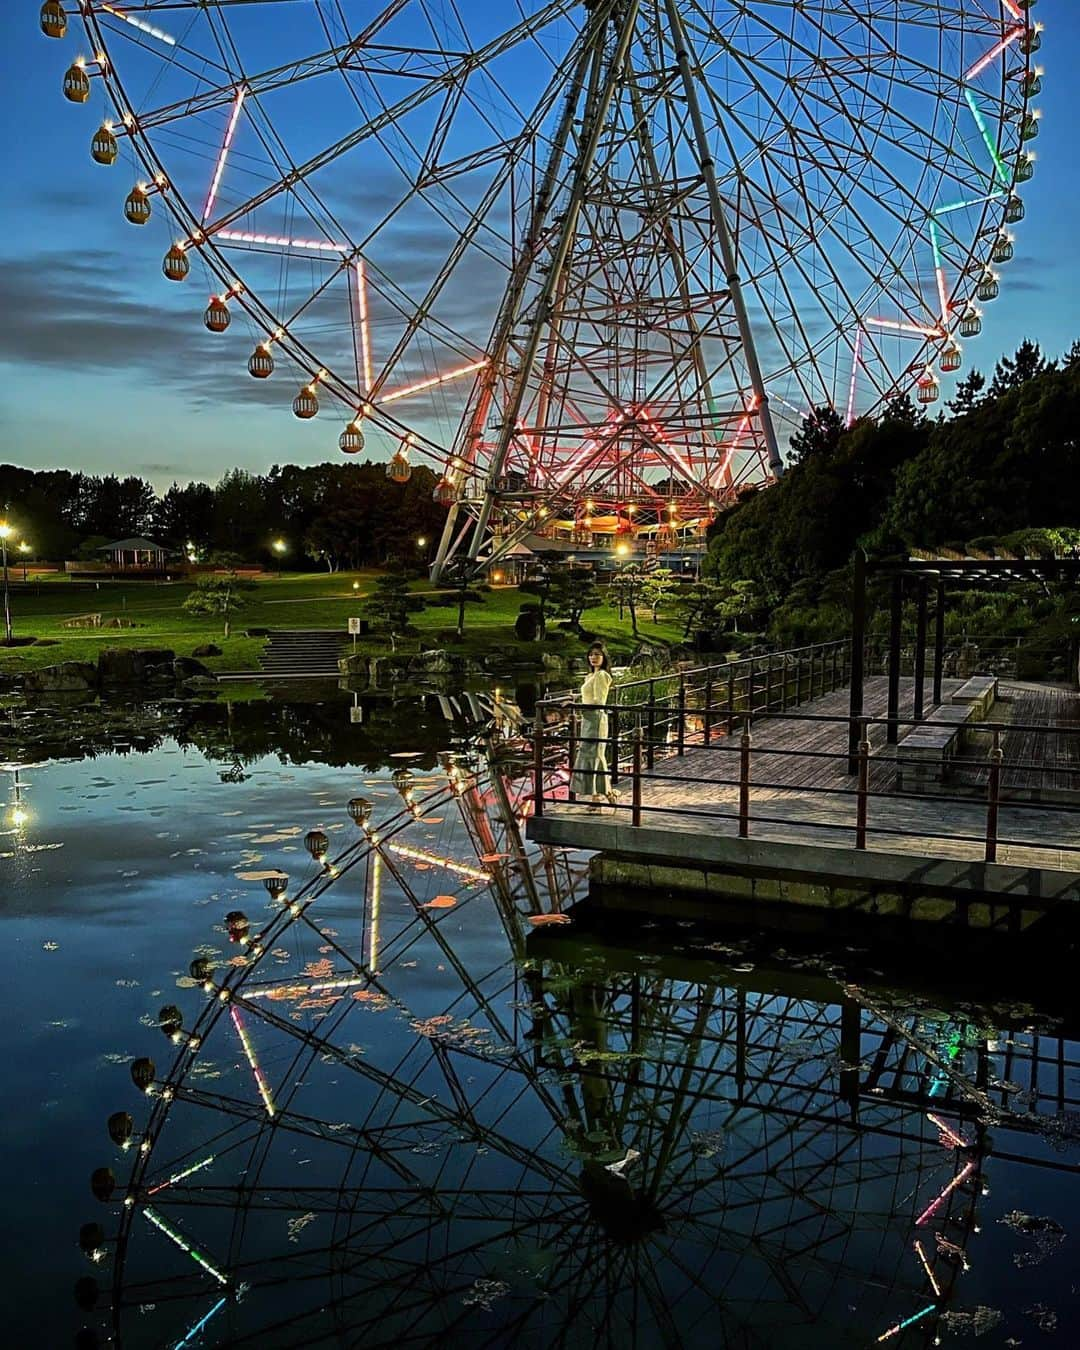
x=337 y=515
x=1000 y=470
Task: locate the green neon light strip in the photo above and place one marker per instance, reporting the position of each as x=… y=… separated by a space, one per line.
x=980 y=122
x=960 y=206
x=935 y=244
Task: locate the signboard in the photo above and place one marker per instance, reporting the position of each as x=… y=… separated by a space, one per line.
x=356 y=714
x=354 y=626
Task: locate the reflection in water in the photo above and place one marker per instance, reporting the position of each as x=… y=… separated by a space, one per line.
x=567 y=1141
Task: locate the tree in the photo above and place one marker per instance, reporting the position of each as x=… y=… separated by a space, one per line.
x=539 y=584
x=901 y=409
x=185 y=515
x=818 y=435
x=572 y=591
x=968 y=394
x=222 y=596
x=625 y=591
x=741 y=600
x=392 y=602
x=701 y=606
x=460 y=576
x=658 y=590
x=1011 y=372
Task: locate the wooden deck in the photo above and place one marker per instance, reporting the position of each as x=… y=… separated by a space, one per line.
x=808 y=797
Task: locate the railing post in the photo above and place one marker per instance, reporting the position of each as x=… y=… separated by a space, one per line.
x=651 y=748
x=769 y=672
x=614 y=730
x=993 y=797
x=835 y=662
x=862 y=790
x=744 y=781
x=680 y=731
x=538 y=764
x=635 y=796
x=707 y=721
x=813 y=664
x=730 y=699
x=571 y=752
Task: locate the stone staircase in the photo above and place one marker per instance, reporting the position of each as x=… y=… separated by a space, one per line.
x=296 y=652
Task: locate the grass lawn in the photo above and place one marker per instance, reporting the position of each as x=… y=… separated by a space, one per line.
x=294 y=600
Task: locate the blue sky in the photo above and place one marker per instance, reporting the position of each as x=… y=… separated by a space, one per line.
x=91 y=331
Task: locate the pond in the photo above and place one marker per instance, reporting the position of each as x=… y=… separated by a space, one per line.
x=386 y=1105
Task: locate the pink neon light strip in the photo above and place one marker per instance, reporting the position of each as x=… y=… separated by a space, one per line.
x=1013 y=8
x=230 y=131
x=932 y=1208
x=365 y=335
x=854 y=373
x=904 y=327
x=996 y=51
x=277 y=241
x=430 y=384
x=949 y=1134
x=249 y=1050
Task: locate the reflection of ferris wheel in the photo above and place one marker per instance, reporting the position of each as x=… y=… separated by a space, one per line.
x=553 y=1149
x=593 y=259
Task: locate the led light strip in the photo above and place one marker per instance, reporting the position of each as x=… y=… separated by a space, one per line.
x=223 y=155
x=950 y=1135
x=915 y=1317
x=365 y=335
x=277 y=241
x=451 y=864
x=200 y=1324
x=432 y=382
x=854 y=372
x=143 y=27
x=195 y=1167
x=249 y=1050
x=926 y=1266
x=1005 y=42
x=185 y=1246
x=931 y=1209
x=285 y=990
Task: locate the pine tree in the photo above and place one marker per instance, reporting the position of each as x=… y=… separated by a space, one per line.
x=818 y=436
x=1072 y=356
x=901 y=409
x=1011 y=372
x=968 y=394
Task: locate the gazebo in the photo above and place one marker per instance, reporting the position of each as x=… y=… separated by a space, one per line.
x=135 y=555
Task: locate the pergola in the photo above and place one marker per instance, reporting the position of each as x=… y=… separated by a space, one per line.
x=922 y=575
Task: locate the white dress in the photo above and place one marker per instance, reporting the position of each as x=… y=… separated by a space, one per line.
x=590 y=777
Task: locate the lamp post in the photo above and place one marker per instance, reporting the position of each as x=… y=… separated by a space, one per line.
x=280 y=547
x=24 y=549
x=5 y=534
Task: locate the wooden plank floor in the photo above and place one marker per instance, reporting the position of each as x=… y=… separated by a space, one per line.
x=1034 y=762
x=809 y=797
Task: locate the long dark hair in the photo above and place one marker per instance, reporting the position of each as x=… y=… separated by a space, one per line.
x=599 y=647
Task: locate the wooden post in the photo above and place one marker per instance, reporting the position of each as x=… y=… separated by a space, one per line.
x=919 y=709
x=706 y=731
x=730 y=699
x=744 y=781
x=614 y=729
x=680 y=730
x=572 y=751
x=635 y=798
x=896 y=610
x=939 y=639
x=770 y=671
x=813 y=663
x=862 y=798
x=835 y=662
x=651 y=748
x=993 y=796
x=858 y=654
x=538 y=763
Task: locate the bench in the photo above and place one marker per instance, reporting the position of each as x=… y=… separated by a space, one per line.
x=980 y=694
x=925 y=754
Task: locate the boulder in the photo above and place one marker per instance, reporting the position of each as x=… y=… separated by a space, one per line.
x=434 y=663
x=69 y=677
x=552 y=661
x=130 y=665
x=184 y=667
x=197 y=683
x=206 y=649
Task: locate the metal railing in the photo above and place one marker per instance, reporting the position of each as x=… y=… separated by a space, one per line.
x=641 y=747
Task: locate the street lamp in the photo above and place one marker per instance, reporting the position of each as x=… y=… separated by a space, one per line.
x=422 y=541
x=24 y=549
x=6 y=531
x=280 y=547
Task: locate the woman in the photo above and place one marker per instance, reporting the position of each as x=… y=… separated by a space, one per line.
x=590 y=780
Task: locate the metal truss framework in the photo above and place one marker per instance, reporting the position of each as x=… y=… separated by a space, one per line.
x=592 y=260
x=656 y=1148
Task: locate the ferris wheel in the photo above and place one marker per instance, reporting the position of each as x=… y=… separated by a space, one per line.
x=593 y=260
x=529 y=1143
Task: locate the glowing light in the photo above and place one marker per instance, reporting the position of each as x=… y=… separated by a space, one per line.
x=1013 y=8
x=185 y=1246
x=433 y=381
x=995 y=51
x=915 y=1317
x=179 y=1176
x=854 y=373
x=949 y=1134
x=973 y=201
x=277 y=241
x=143 y=27
x=899 y=327
x=433 y=860
x=926 y=1266
x=988 y=140
x=296 y=990
x=932 y=1208
x=362 y=309
x=939 y=273
x=376 y=906
x=249 y=1050
x=223 y=155
x=19 y=817
x=197 y=1328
